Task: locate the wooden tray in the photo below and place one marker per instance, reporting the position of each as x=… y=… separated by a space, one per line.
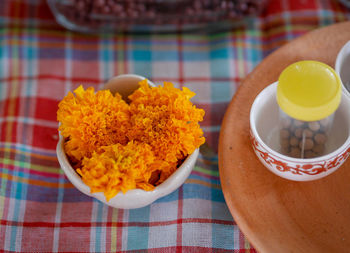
x=275 y=214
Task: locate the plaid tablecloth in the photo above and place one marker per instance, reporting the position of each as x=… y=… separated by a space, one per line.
x=40 y=210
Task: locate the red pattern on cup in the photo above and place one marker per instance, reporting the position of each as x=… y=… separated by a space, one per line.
x=307 y=168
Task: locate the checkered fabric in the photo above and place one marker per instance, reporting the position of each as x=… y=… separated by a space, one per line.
x=40 y=210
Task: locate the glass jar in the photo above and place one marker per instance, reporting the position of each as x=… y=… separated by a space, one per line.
x=308 y=94
x=144 y=16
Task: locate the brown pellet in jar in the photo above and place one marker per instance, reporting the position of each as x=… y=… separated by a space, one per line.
x=285 y=143
x=307 y=133
x=318 y=149
x=310 y=154
x=284 y=134
x=314 y=126
x=295 y=152
x=306 y=144
x=302 y=139
x=294 y=141
x=298 y=132
x=320 y=138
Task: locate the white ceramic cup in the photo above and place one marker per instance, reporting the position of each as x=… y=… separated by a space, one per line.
x=263 y=128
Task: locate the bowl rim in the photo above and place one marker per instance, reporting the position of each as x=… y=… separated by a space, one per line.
x=266 y=91
x=174 y=181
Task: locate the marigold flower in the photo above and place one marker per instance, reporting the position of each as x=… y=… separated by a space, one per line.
x=90 y=120
x=118 y=168
x=115 y=146
x=165 y=118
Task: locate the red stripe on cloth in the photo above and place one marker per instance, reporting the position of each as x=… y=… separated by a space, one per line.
x=179 y=219
x=201 y=174
x=190 y=249
x=68 y=242
x=11 y=105
x=302 y=5
x=15 y=9
x=47 y=76
x=120 y=224
x=6 y=251
x=45 y=137
x=32 y=172
x=98 y=81
x=36 y=239
x=46 y=109
x=199 y=79
x=241 y=240
x=171 y=249
x=8 y=131
x=274 y=6
x=119 y=245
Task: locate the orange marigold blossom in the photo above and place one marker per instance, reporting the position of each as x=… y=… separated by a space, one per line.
x=118 y=168
x=115 y=146
x=90 y=120
x=165 y=118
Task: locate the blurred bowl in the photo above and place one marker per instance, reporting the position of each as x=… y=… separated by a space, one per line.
x=144 y=16
x=342 y=67
x=126 y=84
x=263 y=128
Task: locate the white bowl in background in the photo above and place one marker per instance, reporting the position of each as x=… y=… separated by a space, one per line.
x=342 y=67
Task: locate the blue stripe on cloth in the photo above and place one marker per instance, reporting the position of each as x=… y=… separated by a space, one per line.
x=220 y=211
x=222 y=236
x=141 y=60
x=220 y=91
x=220 y=53
x=170 y=197
x=205 y=179
x=191 y=190
x=328 y=17
x=139 y=214
x=18 y=193
x=255 y=56
x=15 y=188
x=195 y=56
x=196 y=191
x=4 y=55
x=217 y=195
x=165 y=55
x=98 y=229
x=142 y=55
x=135 y=241
x=13 y=242
x=106 y=57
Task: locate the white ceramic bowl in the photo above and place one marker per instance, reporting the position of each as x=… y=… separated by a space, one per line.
x=264 y=135
x=342 y=67
x=133 y=198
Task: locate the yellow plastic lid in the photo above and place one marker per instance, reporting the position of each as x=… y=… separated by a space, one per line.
x=308 y=90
